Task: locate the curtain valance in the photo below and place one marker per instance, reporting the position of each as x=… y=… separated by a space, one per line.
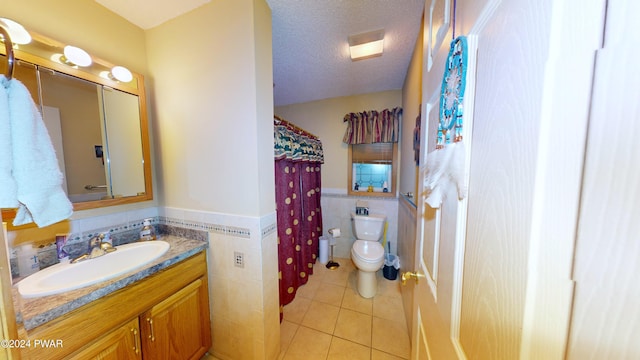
x=373 y=126
x=295 y=144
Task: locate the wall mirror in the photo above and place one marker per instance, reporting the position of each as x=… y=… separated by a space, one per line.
x=98 y=125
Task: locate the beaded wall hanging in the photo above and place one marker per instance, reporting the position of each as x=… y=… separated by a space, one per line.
x=452 y=94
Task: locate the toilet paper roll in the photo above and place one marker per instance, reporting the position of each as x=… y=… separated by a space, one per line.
x=335 y=232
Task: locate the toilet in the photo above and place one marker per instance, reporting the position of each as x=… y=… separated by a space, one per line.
x=367 y=253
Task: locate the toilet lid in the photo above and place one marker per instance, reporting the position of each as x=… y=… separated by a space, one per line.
x=369 y=250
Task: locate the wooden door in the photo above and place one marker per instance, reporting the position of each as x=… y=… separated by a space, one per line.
x=439 y=246
x=120 y=344
x=178 y=327
x=606 y=319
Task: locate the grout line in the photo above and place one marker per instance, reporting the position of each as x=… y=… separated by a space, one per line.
x=371 y=317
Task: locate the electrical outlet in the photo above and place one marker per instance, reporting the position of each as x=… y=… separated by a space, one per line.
x=238 y=259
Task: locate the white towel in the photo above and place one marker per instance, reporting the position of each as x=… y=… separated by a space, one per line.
x=8 y=190
x=444 y=168
x=35 y=167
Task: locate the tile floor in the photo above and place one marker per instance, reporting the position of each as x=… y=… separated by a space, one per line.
x=329 y=320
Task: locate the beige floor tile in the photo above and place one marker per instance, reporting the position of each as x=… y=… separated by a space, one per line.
x=346 y=266
x=379 y=355
x=352 y=280
x=353 y=301
x=338 y=276
x=346 y=350
x=308 y=290
x=391 y=337
x=388 y=307
x=354 y=326
x=346 y=263
x=287 y=332
x=388 y=287
x=329 y=294
x=295 y=310
x=330 y=304
x=321 y=317
x=319 y=271
x=308 y=344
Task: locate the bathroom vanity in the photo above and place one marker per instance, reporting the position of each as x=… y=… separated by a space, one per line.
x=160 y=311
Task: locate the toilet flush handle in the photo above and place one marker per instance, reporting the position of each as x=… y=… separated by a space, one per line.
x=411 y=275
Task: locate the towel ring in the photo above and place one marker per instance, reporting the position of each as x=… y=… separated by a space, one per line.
x=8 y=45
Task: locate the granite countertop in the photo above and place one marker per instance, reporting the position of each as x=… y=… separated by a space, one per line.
x=33 y=312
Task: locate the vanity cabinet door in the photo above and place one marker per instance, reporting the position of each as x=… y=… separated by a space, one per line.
x=178 y=327
x=121 y=343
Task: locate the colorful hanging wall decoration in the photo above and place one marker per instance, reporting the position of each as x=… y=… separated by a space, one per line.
x=452 y=93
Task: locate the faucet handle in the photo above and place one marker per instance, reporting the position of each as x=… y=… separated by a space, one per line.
x=107 y=247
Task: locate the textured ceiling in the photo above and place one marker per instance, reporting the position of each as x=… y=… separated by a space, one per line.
x=310 y=49
x=149 y=13
x=311 y=53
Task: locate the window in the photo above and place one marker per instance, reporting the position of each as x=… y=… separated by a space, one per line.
x=372 y=169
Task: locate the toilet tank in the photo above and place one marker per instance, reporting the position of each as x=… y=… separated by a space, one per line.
x=368 y=227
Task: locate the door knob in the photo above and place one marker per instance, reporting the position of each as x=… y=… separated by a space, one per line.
x=411 y=275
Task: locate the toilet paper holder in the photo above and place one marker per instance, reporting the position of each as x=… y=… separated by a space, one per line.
x=334 y=233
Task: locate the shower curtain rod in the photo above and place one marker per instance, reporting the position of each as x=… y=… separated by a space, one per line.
x=278 y=120
x=8 y=45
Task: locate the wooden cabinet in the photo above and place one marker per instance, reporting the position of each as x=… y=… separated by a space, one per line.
x=169 y=311
x=177 y=328
x=122 y=343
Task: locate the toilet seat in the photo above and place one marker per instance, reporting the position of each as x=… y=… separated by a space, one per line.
x=368 y=251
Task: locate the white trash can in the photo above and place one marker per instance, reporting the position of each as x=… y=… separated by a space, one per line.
x=323 y=257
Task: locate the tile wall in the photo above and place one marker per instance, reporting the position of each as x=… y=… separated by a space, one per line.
x=336 y=213
x=244 y=297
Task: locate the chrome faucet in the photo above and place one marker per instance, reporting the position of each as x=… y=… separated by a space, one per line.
x=97 y=248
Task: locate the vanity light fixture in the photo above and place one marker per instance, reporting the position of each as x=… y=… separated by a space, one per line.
x=121 y=74
x=76 y=56
x=117 y=73
x=366 y=45
x=17 y=32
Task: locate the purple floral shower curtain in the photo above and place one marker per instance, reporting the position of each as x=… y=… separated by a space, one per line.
x=298 y=156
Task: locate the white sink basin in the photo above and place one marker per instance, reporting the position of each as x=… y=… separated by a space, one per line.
x=66 y=276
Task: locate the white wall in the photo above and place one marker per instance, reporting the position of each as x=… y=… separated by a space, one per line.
x=324 y=118
x=85 y=24
x=411 y=104
x=212 y=95
x=211 y=72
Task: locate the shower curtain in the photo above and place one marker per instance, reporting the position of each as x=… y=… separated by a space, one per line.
x=298 y=157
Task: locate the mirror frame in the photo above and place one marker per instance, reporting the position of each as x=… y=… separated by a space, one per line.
x=134 y=87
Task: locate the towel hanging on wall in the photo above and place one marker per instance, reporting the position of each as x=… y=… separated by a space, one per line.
x=37 y=180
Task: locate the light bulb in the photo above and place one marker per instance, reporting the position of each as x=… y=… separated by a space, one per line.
x=121 y=73
x=77 y=56
x=17 y=32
